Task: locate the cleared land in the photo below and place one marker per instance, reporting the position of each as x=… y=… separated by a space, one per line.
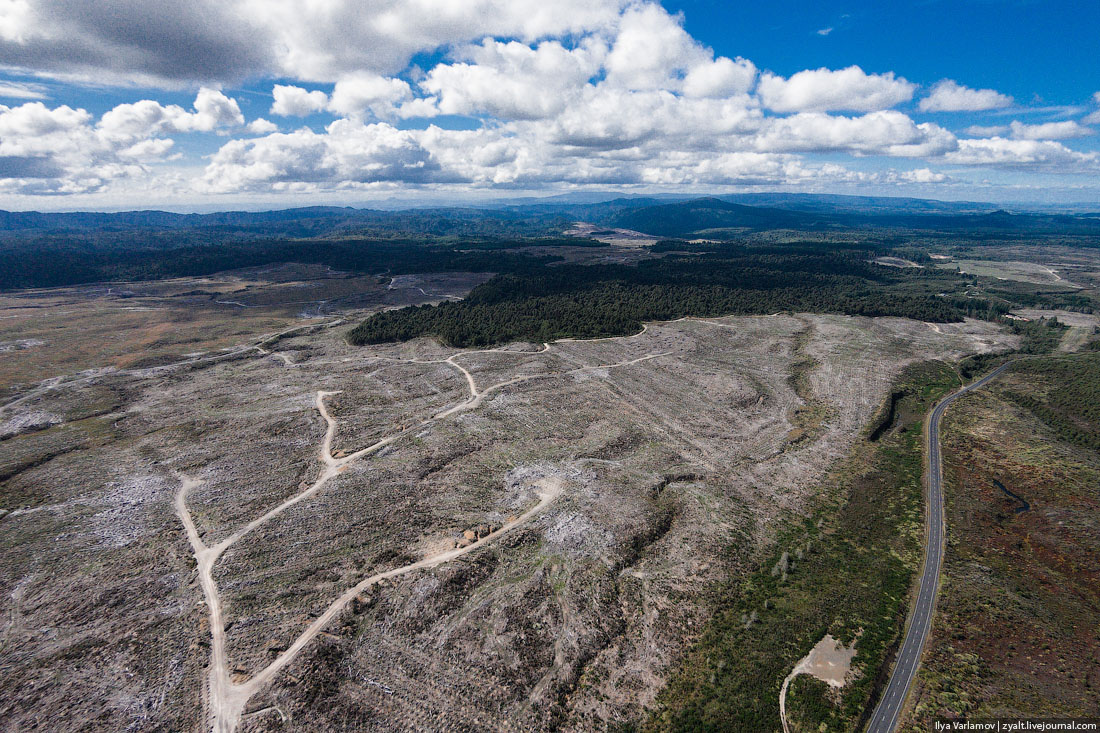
x=215 y=513
x=843 y=568
x=1028 y=272
x=1080 y=265
x=690 y=436
x=618 y=237
x=59 y=331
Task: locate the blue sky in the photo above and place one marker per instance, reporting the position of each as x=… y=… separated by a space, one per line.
x=256 y=103
x=1030 y=49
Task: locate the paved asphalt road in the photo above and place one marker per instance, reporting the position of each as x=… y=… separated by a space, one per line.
x=885 y=717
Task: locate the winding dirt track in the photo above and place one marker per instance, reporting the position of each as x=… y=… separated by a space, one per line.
x=227 y=699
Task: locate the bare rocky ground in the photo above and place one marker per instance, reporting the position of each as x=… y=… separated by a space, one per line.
x=673 y=450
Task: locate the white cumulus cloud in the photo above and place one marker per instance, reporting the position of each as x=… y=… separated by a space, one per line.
x=292 y=101
x=651 y=50
x=922 y=175
x=878 y=133
x=722 y=77
x=54 y=151
x=987 y=130
x=1049 y=130
x=260 y=126
x=356 y=95
x=347 y=154
x=513 y=80
x=823 y=90
x=1024 y=154
x=323 y=41
x=170 y=44
x=950 y=96
x=212 y=110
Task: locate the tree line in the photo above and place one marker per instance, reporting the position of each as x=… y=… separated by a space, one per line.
x=585 y=301
x=59 y=261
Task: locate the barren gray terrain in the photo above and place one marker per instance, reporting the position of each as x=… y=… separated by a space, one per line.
x=410 y=537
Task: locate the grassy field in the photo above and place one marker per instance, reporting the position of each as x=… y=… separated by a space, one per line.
x=1016 y=632
x=844 y=570
x=1028 y=272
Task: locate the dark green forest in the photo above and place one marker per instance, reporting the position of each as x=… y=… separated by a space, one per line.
x=56 y=261
x=604 y=300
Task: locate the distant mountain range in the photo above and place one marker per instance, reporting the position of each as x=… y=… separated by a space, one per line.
x=665 y=215
x=720 y=217
x=15 y=220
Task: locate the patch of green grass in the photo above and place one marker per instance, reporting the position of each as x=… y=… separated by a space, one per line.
x=949 y=677
x=849 y=568
x=809 y=703
x=1039 y=337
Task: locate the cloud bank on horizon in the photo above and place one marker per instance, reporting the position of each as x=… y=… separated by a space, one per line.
x=476 y=95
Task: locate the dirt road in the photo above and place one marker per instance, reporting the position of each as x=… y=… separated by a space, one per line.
x=227 y=700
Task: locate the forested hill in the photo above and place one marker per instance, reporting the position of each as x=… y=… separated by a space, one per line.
x=687 y=218
x=585 y=301
x=716 y=218
x=834 y=203
x=24 y=220
x=44 y=249
x=57 y=261
x=309 y=221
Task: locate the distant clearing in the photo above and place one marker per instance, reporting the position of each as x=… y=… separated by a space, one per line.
x=1028 y=272
x=896 y=262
